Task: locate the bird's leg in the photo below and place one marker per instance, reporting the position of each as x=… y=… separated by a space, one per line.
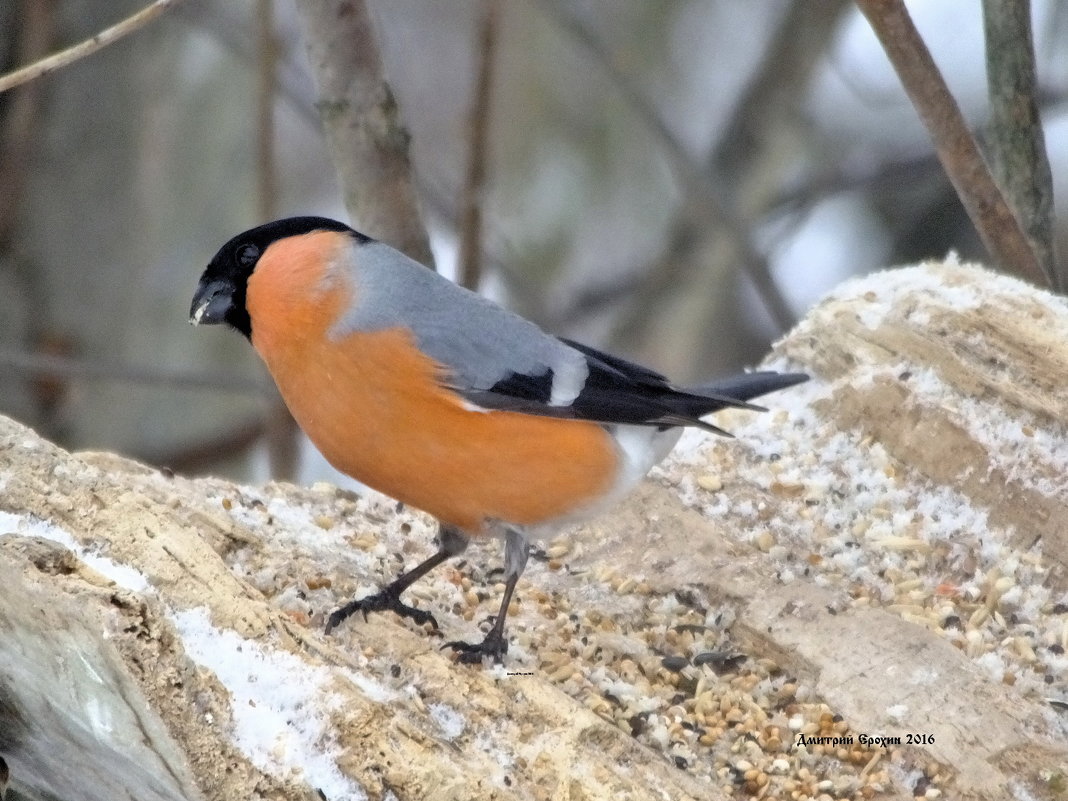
x=495 y=645
x=452 y=542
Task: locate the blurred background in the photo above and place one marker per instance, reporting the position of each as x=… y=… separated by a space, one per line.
x=672 y=181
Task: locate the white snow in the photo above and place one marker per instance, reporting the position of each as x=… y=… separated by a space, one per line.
x=280 y=705
x=30 y=526
x=451 y=722
x=897 y=712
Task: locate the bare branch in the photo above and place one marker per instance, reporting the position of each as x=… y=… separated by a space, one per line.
x=280 y=429
x=470 y=257
x=227 y=24
x=36 y=26
x=282 y=435
x=65 y=58
x=700 y=190
x=772 y=94
x=1017 y=145
x=957 y=149
x=362 y=124
x=39 y=364
x=204 y=454
x=267 y=59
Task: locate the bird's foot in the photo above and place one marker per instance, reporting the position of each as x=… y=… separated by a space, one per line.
x=383 y=601
x=495 y=645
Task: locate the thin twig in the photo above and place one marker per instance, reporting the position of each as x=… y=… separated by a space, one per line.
x=1017 y=145
x=956 y=147
x=698 y=187
x=39 y=364
x=470 y=257
x=65 y=58
x=209 y=451
x=766 y=112
x=280 y=431
x=267 y=59
x=227 y=25
x=22 y=112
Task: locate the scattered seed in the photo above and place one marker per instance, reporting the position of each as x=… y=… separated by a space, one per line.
x=710 y=483
x=675 y=663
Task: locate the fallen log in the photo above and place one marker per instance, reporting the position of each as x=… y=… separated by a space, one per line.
x=862 y=595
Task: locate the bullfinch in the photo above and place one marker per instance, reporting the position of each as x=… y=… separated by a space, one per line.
x=444 y=400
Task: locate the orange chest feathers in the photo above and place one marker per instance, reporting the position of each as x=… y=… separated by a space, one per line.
x=374 y=406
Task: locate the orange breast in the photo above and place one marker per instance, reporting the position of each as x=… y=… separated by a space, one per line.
x=372 y=404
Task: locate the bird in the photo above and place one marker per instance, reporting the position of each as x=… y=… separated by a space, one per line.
x=446 y=401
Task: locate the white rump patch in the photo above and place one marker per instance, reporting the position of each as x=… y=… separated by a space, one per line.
x=568 y=382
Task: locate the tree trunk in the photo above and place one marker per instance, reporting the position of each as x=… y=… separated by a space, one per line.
x=363 y=124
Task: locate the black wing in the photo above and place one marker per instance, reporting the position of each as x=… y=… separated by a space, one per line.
x=617 y=391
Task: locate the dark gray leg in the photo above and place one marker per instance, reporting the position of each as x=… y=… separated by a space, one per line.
x=495 y=645
x=452 y=542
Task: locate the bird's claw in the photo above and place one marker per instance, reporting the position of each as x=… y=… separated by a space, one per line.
x=495 y=645
x=383 y=601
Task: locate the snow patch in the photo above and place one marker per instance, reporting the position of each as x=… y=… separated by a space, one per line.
x=884 y=293
x=280 y=705
x=29 y=526
x=451 y=722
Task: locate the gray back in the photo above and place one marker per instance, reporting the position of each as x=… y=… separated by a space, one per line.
x=480 y=342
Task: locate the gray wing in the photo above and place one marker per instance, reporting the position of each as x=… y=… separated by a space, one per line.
x=495 y=358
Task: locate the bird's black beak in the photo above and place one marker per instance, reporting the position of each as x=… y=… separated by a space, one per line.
x=211 y=303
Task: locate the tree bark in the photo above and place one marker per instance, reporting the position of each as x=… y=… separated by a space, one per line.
x=994 y=221
x=363 y=124
x=1016 y=142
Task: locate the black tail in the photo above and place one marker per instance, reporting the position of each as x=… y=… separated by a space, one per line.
x=692 y=403
x=744 y=386
x=618 y=391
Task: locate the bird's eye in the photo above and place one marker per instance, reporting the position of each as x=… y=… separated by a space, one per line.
x=247 y=255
